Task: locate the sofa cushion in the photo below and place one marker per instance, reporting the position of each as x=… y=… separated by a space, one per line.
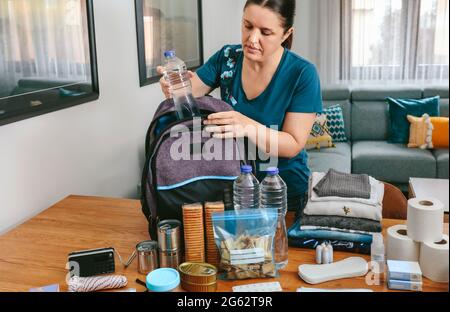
x=335 y=122
x=399 y=109
x=319 y=137
x=338 y=158
x=442 y=163
x=442 y=91
x=393 y=163
x=372 y=102
x=333 y=95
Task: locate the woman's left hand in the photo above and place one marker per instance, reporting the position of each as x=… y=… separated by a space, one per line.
x=225 y=125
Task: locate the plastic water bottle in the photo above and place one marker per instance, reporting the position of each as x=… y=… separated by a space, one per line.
x=274 y=195
x=377 y=254
x=246 y=190
x=180 y=88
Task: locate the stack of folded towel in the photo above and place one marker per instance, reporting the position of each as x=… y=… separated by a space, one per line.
x=342 y=209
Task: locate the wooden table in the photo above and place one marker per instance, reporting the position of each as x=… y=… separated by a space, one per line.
x=35 y=253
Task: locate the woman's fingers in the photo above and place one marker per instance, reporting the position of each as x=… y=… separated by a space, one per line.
x=162 y=82
x=220 y=115
x=219 y=129
x=160 y=70
x=226 y=135
x=219 y=122
x=164 y=87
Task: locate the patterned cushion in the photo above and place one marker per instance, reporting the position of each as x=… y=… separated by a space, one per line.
x=420 y=132
x=335 y=123
x=319 y=136
x=428 y=132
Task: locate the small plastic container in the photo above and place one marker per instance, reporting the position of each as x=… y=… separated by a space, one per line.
x=377 y=253
x=163 y=280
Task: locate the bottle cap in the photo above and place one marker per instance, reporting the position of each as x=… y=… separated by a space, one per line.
x=170 y=53
x=246 y=169
x=272 y=170
x=164 y=279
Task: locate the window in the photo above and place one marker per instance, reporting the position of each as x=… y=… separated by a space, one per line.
x=396 y=40
x=167 y=25
x=47 y=57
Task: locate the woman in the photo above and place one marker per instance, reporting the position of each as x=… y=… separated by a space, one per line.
x=267 y=85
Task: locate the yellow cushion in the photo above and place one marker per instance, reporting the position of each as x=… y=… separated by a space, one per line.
x=440 y=131
x=320 y=135
x=428 y=132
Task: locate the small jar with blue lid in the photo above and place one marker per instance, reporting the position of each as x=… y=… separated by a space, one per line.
x=163 y=280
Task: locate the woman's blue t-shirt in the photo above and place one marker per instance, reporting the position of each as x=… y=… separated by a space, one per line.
x=295 y=87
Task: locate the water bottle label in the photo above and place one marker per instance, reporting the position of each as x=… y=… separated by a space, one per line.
x=246 y=256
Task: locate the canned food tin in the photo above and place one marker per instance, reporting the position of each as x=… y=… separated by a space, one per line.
x=198 y=287
x=199 y=277
x=147 y=254
x=169 y=259
x=169 y=235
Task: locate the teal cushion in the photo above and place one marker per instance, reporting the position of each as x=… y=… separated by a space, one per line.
x=400 y=108
x=335 y=123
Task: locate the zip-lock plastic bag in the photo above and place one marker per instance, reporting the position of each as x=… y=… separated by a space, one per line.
x=245 y=241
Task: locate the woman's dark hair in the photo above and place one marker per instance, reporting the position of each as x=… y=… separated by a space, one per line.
x=285 y=8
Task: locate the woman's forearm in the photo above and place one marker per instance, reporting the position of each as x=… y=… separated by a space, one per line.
x=275 y=143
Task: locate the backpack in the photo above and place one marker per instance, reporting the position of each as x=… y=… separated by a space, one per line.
x=169 y=182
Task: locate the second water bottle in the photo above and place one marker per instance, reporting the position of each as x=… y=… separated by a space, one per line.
x=246 y=190
x=274 y=195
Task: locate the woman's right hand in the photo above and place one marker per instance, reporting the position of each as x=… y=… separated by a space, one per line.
x=165 y=84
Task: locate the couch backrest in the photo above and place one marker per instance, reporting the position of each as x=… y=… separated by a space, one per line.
x=442 y=91
x=370 y=111
x=332 y=95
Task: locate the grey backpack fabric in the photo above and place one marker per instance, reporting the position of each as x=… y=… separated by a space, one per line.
x=207 y=174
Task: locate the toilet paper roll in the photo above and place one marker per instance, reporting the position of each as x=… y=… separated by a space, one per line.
x=400 y=246
x=425 y=219
x=434 y=260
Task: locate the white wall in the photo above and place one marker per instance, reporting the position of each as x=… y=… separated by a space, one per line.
x=95 y=148
x=304 y=36
x=221 y=24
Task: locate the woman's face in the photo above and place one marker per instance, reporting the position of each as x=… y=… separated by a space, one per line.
x=262 y=33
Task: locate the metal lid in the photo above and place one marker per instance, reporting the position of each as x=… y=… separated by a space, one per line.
x=147 y=246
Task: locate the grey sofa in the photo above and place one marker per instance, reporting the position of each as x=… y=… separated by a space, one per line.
x=366 y=117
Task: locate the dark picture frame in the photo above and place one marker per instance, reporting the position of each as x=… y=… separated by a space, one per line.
x=145 y=79
x=50 y=96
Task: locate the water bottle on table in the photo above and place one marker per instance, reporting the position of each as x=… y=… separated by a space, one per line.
x=246 y=190
x=274 y=195
x=176 y=74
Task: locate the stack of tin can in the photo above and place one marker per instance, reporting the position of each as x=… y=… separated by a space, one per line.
x=169 y=243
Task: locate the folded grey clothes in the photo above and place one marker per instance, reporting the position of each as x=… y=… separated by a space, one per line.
x=356 y=224
x=336 y=183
